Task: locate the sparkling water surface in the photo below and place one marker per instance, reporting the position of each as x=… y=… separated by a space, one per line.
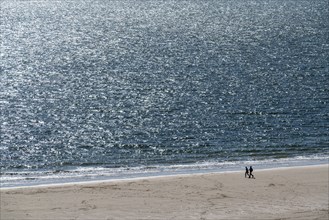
x=120 y=85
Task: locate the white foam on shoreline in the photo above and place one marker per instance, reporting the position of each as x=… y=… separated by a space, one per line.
x=93 y=182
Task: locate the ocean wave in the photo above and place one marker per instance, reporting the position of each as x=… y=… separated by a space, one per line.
x=78 y=174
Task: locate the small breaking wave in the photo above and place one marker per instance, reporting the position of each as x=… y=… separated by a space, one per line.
x=82 y=174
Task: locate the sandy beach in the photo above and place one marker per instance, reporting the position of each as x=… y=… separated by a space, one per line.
x=283 y=193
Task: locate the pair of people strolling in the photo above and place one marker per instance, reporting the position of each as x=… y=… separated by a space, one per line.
x=249 y=172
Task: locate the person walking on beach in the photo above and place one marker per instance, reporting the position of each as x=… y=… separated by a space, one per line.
x=246 y=173
x=250 y=172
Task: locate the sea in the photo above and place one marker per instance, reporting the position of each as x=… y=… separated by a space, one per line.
x=115 y=89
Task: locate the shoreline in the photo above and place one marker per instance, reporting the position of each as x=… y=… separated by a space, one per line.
x=282 y=193
x=101 y=174
x=177 y=175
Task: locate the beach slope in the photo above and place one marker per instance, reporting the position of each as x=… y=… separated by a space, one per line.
x=284 y=193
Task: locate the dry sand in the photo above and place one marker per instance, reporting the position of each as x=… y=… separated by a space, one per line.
x=289 y=193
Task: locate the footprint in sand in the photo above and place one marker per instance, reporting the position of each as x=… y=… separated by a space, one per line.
x=87 y=206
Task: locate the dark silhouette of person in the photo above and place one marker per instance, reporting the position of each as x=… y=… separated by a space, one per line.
x=246 y=173
x=250 y=172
